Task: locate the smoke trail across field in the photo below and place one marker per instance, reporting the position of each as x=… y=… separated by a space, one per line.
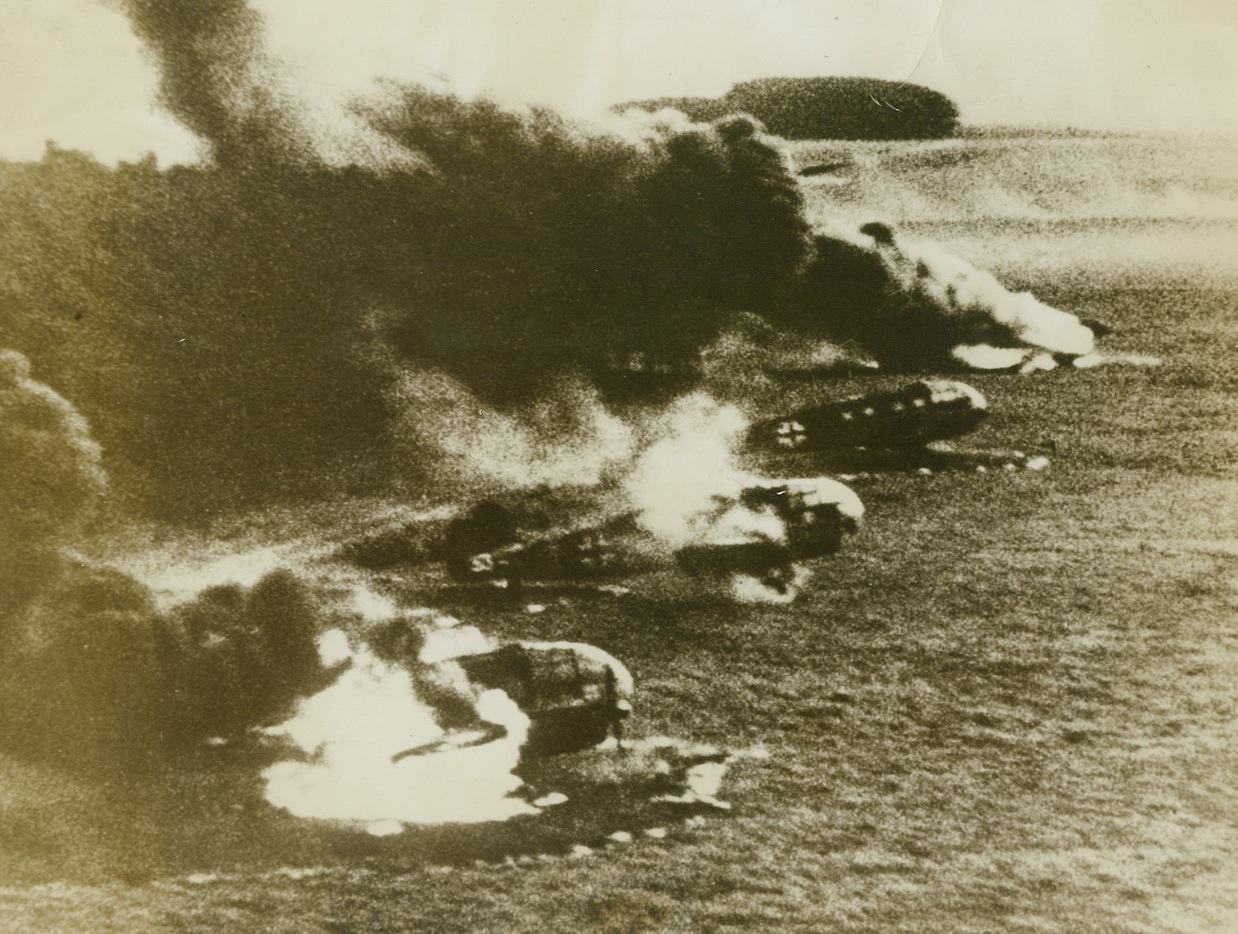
x=914 y=304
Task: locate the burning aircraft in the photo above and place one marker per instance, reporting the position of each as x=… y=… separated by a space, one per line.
x=428 y=719
x=574 y=695
x=817 y=511
x=787 y=521
x=914 y=305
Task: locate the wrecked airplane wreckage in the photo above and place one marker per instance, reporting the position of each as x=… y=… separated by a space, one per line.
x=430 y=721
x=914 y=427
x=809 y=518
x=575 y=695
x=926 y=411
x=759 y=529
x=812 y=514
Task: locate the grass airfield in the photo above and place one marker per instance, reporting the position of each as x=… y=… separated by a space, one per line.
x=1008 y=704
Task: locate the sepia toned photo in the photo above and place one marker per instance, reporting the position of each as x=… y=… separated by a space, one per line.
x=618 y=466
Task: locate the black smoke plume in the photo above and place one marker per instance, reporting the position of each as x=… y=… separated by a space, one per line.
x=234 y=330
x=92 y=674
x=94 y=677
x=50 y=482
x=268 y=324
x=216 y=78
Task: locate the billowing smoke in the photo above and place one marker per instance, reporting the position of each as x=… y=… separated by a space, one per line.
x=266 y=307
x=545 y=247
x=96 y=677
x=462 y=444
x=218 y=80
x=94 y=674
x=913 y=304
x=508 y=244
x=686 y=485
x=687 y=489
x=214 y=77
x=337 y=298
x=51 y=479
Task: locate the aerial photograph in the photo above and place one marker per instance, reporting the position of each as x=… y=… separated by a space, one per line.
x=619 y=466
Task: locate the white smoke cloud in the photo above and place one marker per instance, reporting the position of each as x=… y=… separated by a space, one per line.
x=681 y=483
x=686 y=487
x=960 y=290
x=174 y=583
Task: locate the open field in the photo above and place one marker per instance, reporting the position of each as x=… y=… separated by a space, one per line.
x=1009 y=704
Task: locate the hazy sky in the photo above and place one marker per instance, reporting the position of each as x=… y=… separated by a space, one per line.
x=70 y=70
